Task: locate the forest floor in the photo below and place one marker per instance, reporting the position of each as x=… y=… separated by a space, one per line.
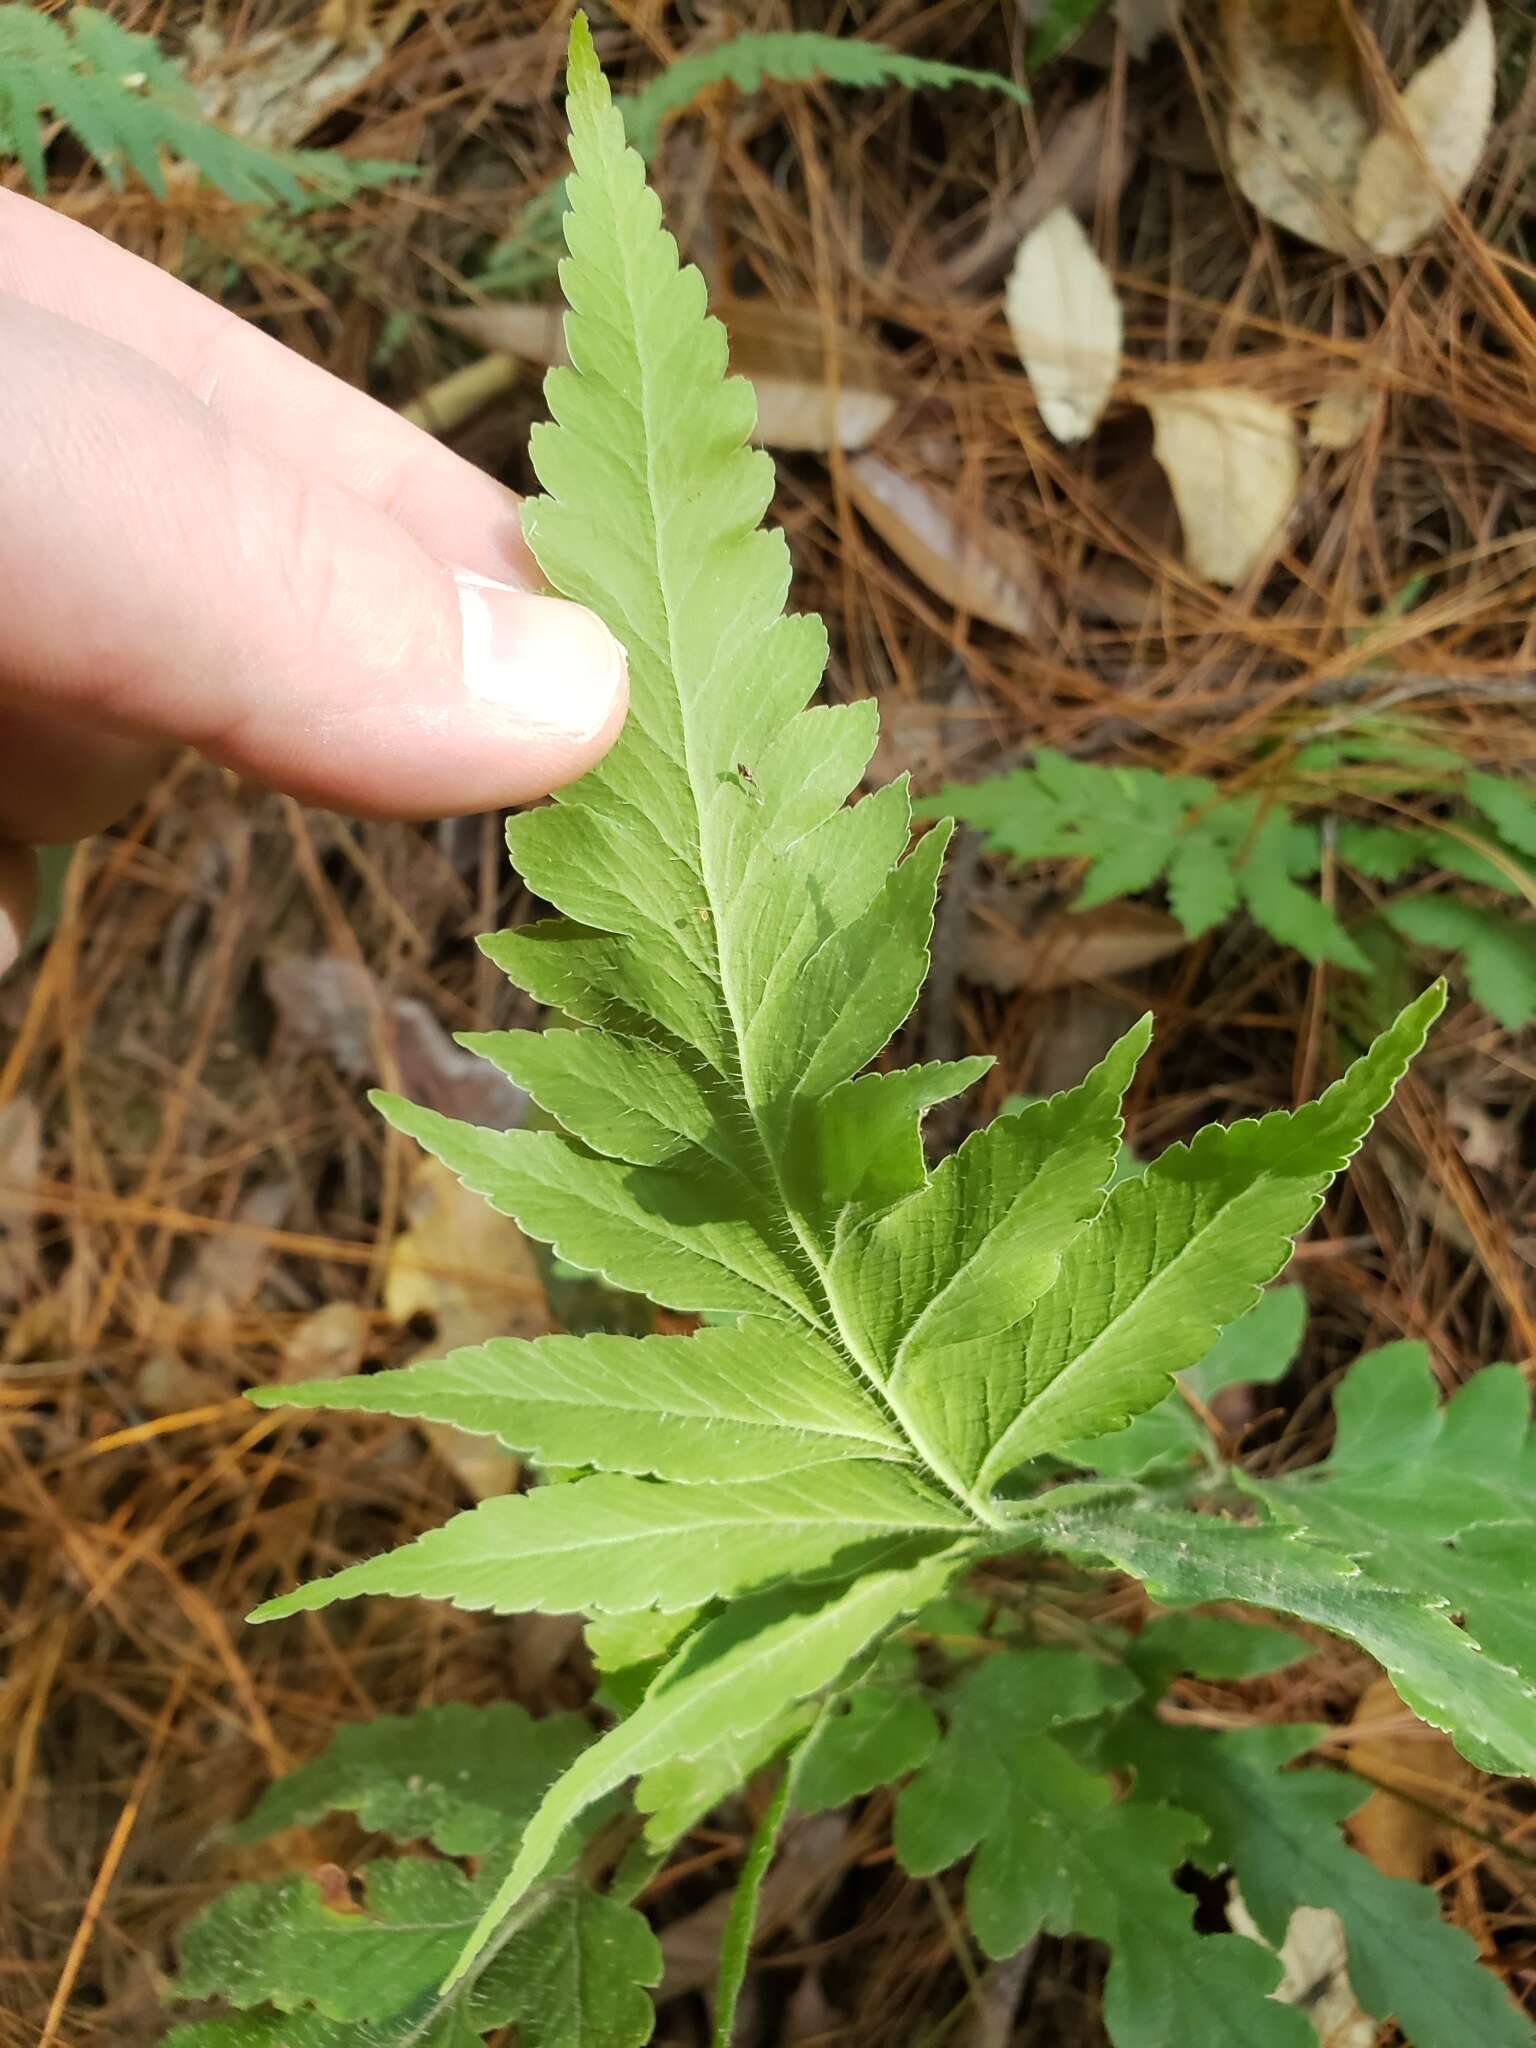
x=194 y=1196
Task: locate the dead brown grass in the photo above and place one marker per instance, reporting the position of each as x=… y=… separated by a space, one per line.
x=202 y=1185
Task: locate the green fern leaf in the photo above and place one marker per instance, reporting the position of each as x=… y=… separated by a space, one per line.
x=737 y=944
x=1497 y=954
x=575 y=1974
x=1128 y=824
x=1509 y=808
x=463 y=1778
x=1182 y=1251
x=790 y=57
x=1186 y=1559
x=743 y=1403
x=1386 y=852
x=1202 y=885
x=1267 y=877
x=1278 y=1831
x=611 y=1545
x=1055 y=1852
x=1465 y=1531
x=128 y=103
x=1208 y=1646
x=286 y=1944
x=882 y=1729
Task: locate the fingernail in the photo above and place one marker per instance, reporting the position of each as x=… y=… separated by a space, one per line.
x=552 y=667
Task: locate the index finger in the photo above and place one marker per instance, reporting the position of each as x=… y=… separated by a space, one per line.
x=265 y=392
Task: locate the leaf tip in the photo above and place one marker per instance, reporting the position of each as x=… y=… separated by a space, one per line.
x=582 y=70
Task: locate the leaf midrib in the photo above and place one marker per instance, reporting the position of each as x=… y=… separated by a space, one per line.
x=805 y=1251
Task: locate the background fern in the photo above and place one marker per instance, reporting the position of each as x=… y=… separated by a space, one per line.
x=127 y=103
x=1214 y=854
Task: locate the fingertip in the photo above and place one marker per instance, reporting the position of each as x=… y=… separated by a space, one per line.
x=544 y=674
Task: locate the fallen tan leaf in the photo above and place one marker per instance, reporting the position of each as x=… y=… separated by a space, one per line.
x=329 y=1344
x=1144 y=22
x=1064 y=314
x=1232 y=460
x=1299 y=123
x=1092 y=945
x=335 y=1006
x=1342 y=415
x=482 y=1466
x=977 y=567
x=1392 y=1746
x=275 y=88
x=226 y=1273
x=461 y=1263
x=1315 y=1959
x=1412 y=174
x=167 y=1385
x=474 y=1275
x=1491 y=1143
x=788 y=353
x=918 y=737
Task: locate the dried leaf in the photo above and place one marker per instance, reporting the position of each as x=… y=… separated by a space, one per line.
x=460 y=1263
x=276 y=88
x=1400 y=1838
x=336 y=1007
x=1143 y=22
x=228 y=1268
x=1064 y=315
x=1232 y=459
x=1299 y=123
x=1315 y=1959
x=1342 y=415
x=474 y=1275
x=1411 y=175
x=817 y=388
x=167 y=1385
x=1094 y=945
x=1487 y=1141
x=329 y=1344
x=975 y=566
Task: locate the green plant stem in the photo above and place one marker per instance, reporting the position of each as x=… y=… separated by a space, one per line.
x=736 y=1945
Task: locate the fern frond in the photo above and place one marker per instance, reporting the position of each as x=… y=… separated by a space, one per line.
x=128 y=104
x=1134 y=830
x=791 y=57
x=735 y=944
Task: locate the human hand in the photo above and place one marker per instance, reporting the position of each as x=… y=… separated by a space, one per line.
x=205 y=540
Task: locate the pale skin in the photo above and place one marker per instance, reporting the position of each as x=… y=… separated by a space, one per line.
x=206 y=541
